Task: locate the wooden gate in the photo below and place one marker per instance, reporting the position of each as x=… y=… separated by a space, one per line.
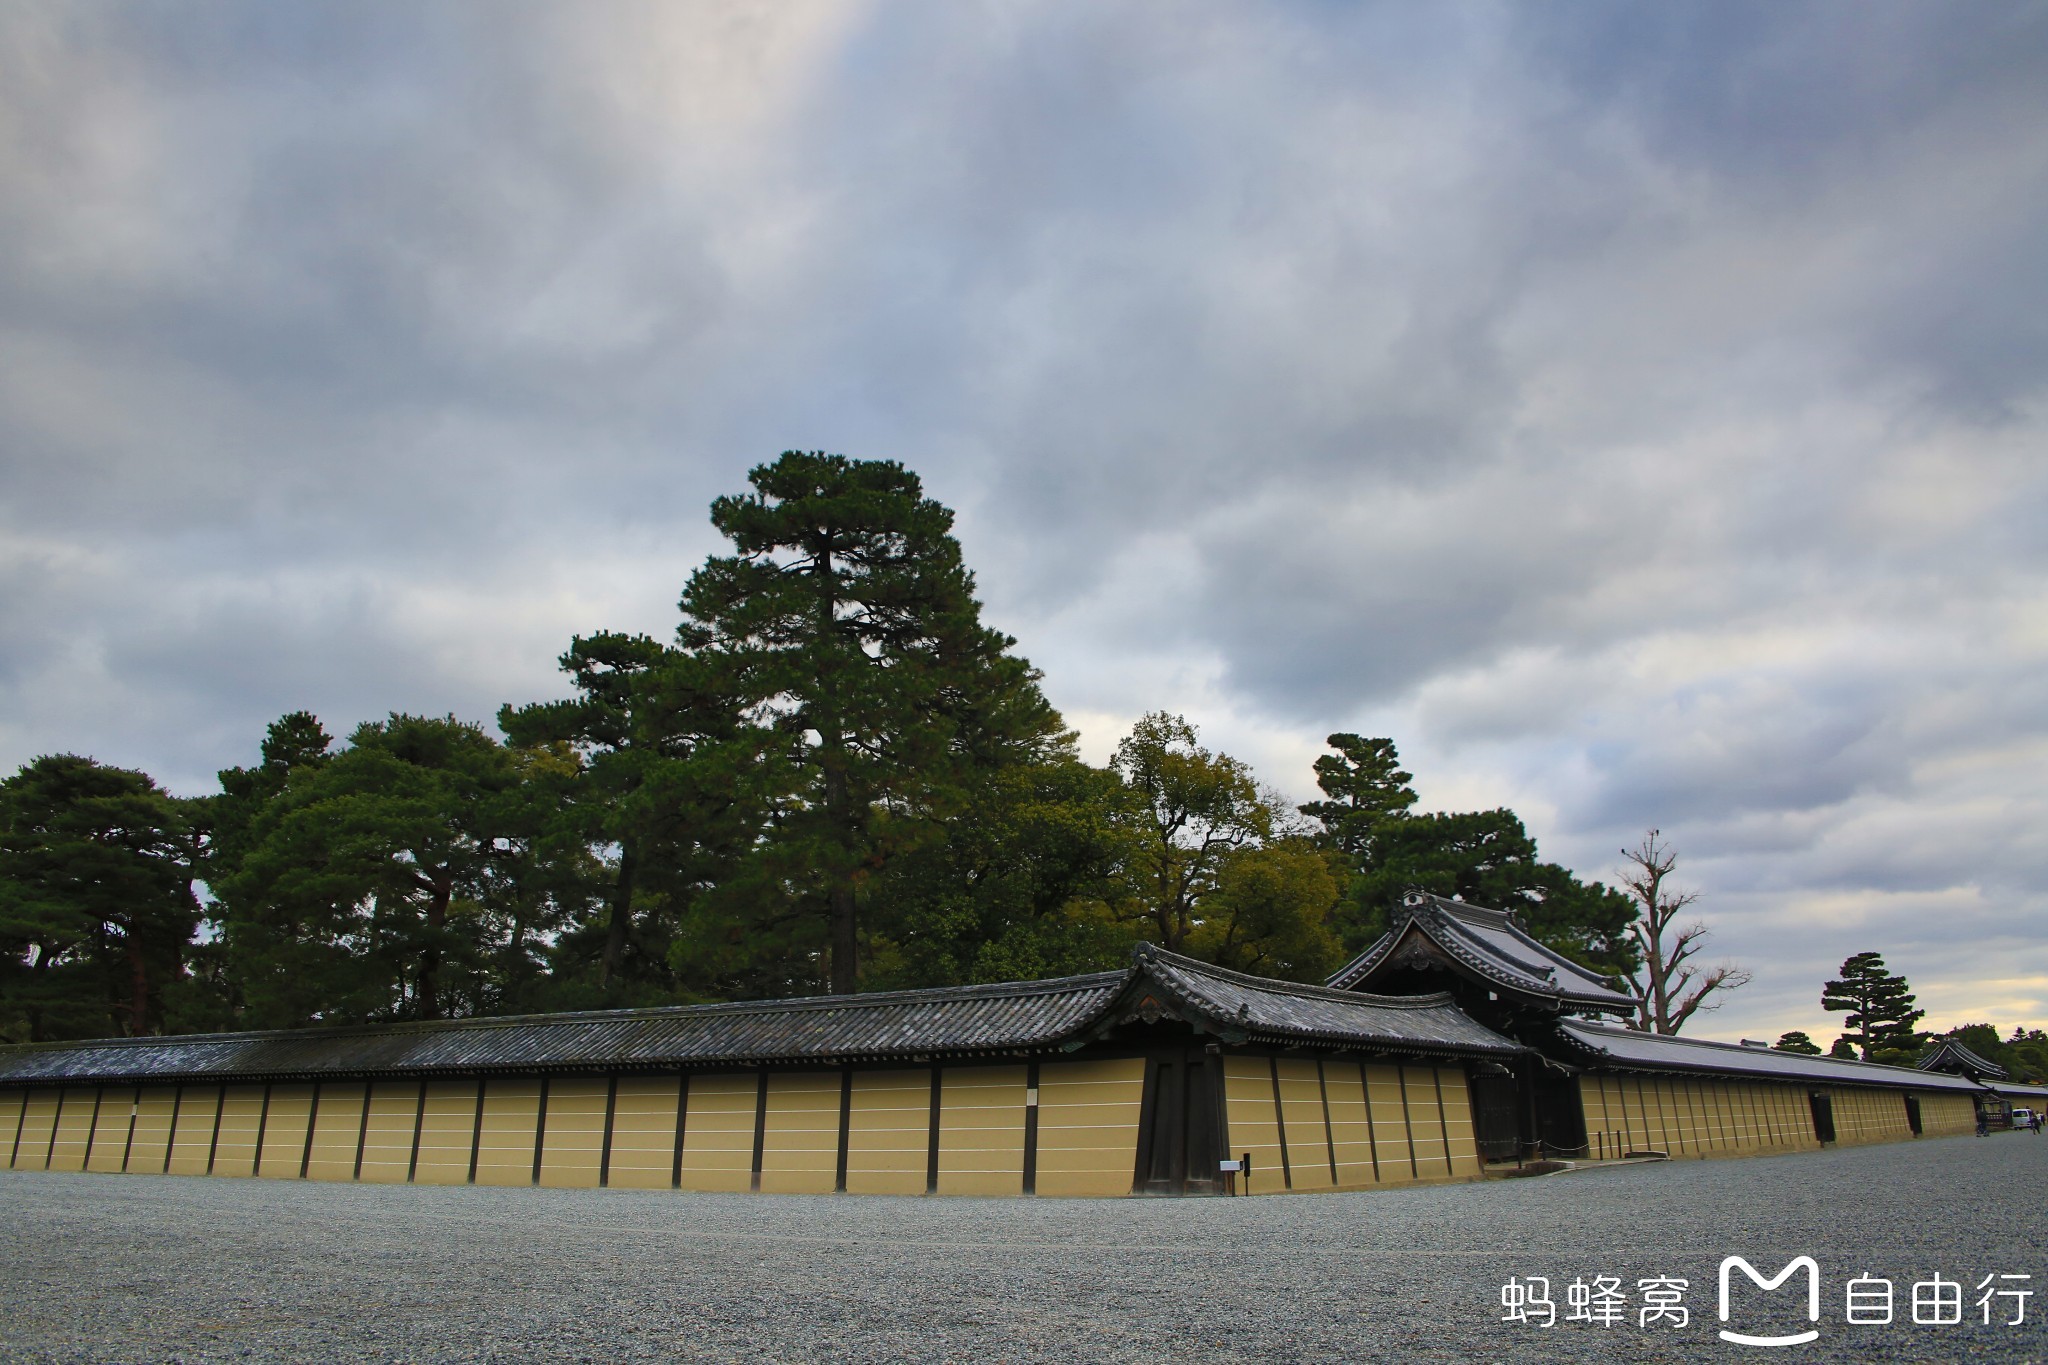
x=1496 y=1116
x=1178 y=1141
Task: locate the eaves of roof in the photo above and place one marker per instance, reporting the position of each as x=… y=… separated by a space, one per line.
x=1601 y=1047
x=963 y=1022
x=1241 y=1007
x=1953 y=1053
x=1534 y=971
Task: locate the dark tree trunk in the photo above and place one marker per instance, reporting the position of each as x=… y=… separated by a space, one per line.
x=619 y=932
x=439 y=891
x=845 y=971
x=138 y=986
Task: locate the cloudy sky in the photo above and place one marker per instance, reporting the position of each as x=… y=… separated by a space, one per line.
x=1636 y=411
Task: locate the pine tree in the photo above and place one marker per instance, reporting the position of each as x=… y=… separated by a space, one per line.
x=1363 y=785
x=1878 y=1004
x=96 y=899
x=847 y=630
x=1797 y=1041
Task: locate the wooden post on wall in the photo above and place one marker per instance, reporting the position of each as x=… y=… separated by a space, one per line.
x=476 y=1131
x=312 y=1126
x=419 y=1123
x=675 y=1178
x=20 y=1121
x=220 y=1108
x=760 y=1129
x=611 y=1108
x=1407 y=1119
x=931 y=1158
x=846 y=1127
x=171 y=1138
x=57 y=1122
x=1031 y=1129
x=262 y=1127
x=134 y=1111
x=540 y=1129
x=1372 y=1137
x=1329 y=1131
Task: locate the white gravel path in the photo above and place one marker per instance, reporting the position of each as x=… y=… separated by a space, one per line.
x=154 y=1268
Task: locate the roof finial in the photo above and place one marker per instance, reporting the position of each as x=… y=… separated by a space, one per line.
x=1244 y=1012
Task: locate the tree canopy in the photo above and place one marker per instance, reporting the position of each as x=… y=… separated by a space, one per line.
x=835 y=775
x=1878 y=1009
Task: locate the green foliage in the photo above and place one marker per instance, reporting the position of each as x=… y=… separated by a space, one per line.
x=2024 y=1054
x=376 y=882
x=835 y=775
x=1191 y=810
x=1269 y=913
x=1797 y=1041
x=846 y=629
x=645 y=816
x=1029 y=881
x=1488 y=858
x=1363 y=786
x=1844 y=1048
x=1878 y=1005
x=97 y=906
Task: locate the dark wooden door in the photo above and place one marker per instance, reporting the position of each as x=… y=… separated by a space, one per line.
x=1823 y=1115
x=1497 y=1116
x=1178 y=1142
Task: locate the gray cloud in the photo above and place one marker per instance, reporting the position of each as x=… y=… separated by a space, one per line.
x=1635 y=411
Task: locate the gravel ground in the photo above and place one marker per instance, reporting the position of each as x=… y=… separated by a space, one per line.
x=164 y=1268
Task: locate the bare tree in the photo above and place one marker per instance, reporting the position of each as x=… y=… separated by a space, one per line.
x=1668 y=988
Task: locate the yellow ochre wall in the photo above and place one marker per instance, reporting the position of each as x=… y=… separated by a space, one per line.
x=74 y=1127
x=1377 y=1123
x=1869 y=1116
x=718 y=1134
x=800 y=1134
x=1947 y=1115
x=337 y=1123
x=644 y=1132
x=1709 y=1117
x=572 y=1146
x=1386 y=1124
x=284 y=1132
x=888 y=1133
x=981 y=1130
x=1088 y=1116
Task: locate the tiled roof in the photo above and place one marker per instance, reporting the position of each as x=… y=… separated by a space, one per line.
x=1283 y=1012
x=1494 y=949
x=953 y=1021
x=1953 y=1056
x=1626 y=1049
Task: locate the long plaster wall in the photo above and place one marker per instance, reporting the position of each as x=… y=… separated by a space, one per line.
x=1708 y=1117
x=941 y=1130
x=1310 y=1124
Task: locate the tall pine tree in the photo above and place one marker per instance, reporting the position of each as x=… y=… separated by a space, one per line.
x=847 y=629
x=1878 y=1005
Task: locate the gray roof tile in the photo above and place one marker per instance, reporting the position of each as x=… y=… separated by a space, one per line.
x=954 y=1021
x=1495 y=949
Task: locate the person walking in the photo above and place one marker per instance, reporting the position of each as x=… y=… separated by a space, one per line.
x=1983 y=1125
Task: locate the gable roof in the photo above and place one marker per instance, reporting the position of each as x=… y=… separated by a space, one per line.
x=1490 y=947
x=1953 y=1056
x=916 y=1025
x=1240 y=1007
x=1603 y=1046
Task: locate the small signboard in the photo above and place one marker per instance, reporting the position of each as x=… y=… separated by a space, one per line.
x=1230 y=1164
